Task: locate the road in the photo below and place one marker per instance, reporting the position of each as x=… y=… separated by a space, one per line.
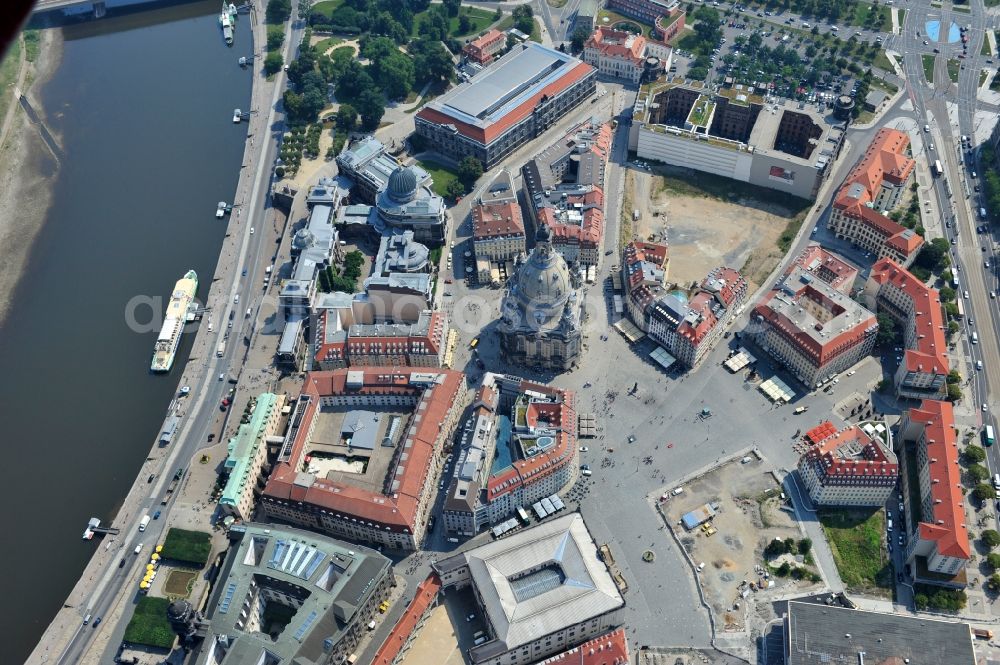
x=206 y=374
x=954 y=190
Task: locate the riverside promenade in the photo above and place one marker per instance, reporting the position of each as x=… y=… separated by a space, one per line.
x=67 y=640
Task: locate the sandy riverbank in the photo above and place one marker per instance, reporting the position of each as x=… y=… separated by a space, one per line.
x=27 y=170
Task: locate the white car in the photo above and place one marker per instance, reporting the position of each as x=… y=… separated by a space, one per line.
x=584 y=449
x=251 y=230
x=985 y=408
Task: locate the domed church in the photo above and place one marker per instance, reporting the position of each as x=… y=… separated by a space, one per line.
x=407 y=206
x=542 y=310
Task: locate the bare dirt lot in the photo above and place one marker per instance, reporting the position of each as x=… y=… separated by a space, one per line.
x=746 y=520
x=710 y=221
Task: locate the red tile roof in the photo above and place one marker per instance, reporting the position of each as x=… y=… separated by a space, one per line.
x=618 y=44
x=608 y=649
x=930 y=353
x=395 y=510
x=874 y=460
x=423 y=600
x=497 y=220
x=636 y=253
x=821 y=432
x=948 y=529
x=482 y=49
x=827 y=266
x=561 y=414
x=487 y=134
x=885 y=159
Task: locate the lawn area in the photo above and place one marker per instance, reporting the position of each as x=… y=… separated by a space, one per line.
x=442 y=176
x=991 y=3
x=855 y=537
x=327 y=7
x=31 y=38
x=928 y=67
x=961 y=8
x=149 y=625
x=953 y=70
x=883 y=85
x=324 y=45
x=863 y=9
x=188 y=546
x=985 y=50
x=479 y=20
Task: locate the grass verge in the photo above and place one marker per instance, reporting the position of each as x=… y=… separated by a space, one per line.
x=882 y=61
x=324 y=45
x=855 y=538
x=149 y=625
x=442 y=175
x=953 y=66
x=8 y=76
x=928 y=61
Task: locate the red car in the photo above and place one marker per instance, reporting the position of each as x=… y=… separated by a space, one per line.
x=448 y=281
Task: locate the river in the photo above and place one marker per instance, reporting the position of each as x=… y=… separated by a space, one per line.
x=143 y=107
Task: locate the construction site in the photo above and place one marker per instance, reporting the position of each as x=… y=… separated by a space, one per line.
x=724 y=519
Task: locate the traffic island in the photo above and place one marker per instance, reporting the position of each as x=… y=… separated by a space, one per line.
x=649 y=556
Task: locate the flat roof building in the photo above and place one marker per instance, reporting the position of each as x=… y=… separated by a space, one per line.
x=515 y=99
x=383 y=495
x=536 y=588
x=812 y=327
x=821 y=634
x=328 y=591
x=727 y=131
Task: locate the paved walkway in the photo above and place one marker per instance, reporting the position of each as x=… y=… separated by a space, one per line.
x=22 y=70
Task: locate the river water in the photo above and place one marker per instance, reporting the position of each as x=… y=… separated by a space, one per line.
x=143 y=107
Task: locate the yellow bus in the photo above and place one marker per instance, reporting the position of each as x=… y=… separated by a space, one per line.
x=473 y=343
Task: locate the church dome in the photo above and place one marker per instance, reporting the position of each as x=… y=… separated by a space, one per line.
x=303 y=239
x=402 y=185
x=543 y=281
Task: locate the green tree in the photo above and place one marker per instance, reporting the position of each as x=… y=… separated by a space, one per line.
x=275 y=37
x=990 y=538
x=524 y=19
x=974 y=454
x=371 y=107
x=886 y=330
x=775 y=548
x=469 y=171
x=783 y=570
x=993 y=583
x=278 y=11
x=954 y=392
x=985 y=492
x=579 y=39
x=978 y=473
x=452 y=6
x=393 y=74
x=455 y=189
x=347 y=117
x=921 y=601
x=993 y=561
x=946 y=293
x=273 y=62
x=464 y=24
x=431 y=61
x=497 y=15
x=805 y=546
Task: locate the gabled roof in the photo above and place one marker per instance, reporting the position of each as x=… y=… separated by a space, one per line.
x=608 y=649
x=948 y=529
x=850 y=452
x=930 y=351
x=437 y=392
